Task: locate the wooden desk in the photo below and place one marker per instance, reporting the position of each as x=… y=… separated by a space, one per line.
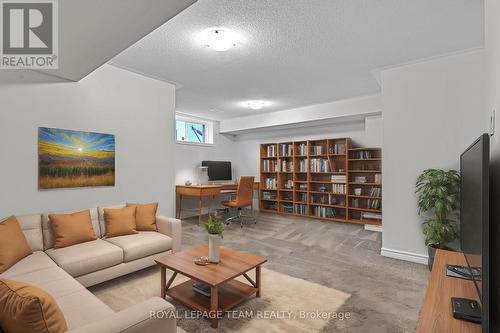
x=436 y=313
x=200 y=191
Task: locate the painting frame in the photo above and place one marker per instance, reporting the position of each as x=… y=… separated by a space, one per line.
x=70 y=159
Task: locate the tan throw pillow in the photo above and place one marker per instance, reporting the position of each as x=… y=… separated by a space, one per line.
x=145 y=216
x=13 y=244
x=71 y=229
x=120 y=222
x=25 y=308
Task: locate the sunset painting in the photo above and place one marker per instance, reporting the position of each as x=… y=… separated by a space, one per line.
x=75 y=159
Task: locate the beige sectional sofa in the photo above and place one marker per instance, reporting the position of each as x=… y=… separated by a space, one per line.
x=64 y=273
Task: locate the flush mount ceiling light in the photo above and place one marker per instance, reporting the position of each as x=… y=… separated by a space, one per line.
x=256 y=104
x=219 y=39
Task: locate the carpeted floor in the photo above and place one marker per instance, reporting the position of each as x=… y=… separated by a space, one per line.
x=321 y=265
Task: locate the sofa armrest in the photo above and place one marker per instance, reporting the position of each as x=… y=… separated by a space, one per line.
x=172 y=228
x=153 y=315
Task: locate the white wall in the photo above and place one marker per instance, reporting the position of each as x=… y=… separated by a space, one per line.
x=432 y=111
x=139 y=111
x=363 y=133
x=188 y=158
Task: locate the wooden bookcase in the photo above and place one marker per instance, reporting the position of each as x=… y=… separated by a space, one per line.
x=313 y=178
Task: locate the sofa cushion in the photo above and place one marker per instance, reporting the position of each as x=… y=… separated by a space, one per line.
x=34 y=262
x=102 y=222
x=120 y=221
x=71 y=229
x=13 y=244
x=81 y=308
x=145 y=216
x=48 y=236
x=87 y=257
x=26 y=308
x=141 y=245
x=32 y=229
x=53 y=280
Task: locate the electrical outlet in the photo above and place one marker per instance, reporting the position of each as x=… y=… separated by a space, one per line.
x=492 y=123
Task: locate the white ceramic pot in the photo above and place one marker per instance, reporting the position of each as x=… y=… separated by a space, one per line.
x=214 y=242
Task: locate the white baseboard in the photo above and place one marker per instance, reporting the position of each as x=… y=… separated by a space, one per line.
x=371 y=227
x=403 y=255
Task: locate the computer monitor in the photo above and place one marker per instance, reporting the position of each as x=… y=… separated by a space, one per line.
x=218 y=171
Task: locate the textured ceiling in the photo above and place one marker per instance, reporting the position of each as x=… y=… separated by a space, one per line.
x=299 y=52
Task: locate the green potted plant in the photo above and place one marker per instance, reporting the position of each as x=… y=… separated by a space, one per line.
x=215 y=229
x=438 y=200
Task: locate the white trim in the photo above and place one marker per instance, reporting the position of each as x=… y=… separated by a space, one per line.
x=403 y=255
x=151 y=76
x=189 y=143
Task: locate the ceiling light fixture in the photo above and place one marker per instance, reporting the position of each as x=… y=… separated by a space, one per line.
x=219 y=39
x=256 y=105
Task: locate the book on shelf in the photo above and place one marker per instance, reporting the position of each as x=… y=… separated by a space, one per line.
x=339 y=188
x=302 y=149
x=317 y=150
x=374 y=203
x=271 y=183
x=326 y=212
x=287 y=208
x=337 y=149
x=301 y=209
x=339 y=178
x=271 y=151
x=302 y=165
x=268 y=195
x=319 y=165
x=269 y=166
x=375 y=192
x=362 y=154
x=371 y=216
x=286 y=149
x=286 y=166
x=378 y=178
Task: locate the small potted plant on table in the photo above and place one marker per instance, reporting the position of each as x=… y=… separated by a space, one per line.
x=439 y=199
x=215 y=229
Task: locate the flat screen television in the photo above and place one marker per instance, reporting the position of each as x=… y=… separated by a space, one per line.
x=218 y=170
x=475 y=219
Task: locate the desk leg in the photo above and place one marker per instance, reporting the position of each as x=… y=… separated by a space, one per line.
x=179 y=207
x=200 y=208
x=214 y=307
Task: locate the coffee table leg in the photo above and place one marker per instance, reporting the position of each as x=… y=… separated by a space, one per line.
x=163 y=281
x=214 y=306
x=257 y=280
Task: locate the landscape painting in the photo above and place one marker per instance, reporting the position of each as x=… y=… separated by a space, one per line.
x=75 y=159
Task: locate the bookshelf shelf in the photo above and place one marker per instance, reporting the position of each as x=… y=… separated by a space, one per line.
x=319 y=179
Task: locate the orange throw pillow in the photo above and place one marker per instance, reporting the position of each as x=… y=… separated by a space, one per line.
x=145 y=216
x=120 y=222
x=13 y=243
x=25 y=308
x=71 y=229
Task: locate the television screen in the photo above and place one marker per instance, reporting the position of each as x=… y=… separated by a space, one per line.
x=218 y=171
x=474 y=215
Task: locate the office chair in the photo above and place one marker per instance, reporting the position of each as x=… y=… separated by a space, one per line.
x=244 y=198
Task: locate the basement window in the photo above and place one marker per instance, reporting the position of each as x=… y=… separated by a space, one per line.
x=193 y=130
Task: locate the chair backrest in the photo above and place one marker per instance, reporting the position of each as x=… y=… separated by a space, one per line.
x=244 y=194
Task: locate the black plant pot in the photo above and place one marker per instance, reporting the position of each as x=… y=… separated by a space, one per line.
x=431 y=250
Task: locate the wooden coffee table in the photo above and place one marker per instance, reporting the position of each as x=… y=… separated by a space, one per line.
x=226 y=292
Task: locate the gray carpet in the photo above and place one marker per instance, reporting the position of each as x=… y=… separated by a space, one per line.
x=384 y=295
